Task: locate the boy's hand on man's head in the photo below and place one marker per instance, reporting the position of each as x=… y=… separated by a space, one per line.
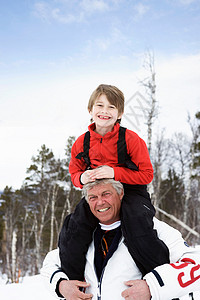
x=102 y=172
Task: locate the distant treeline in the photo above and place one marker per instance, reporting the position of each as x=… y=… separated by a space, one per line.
x=31 y=217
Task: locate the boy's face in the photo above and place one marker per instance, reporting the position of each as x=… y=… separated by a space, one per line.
x=104 y=114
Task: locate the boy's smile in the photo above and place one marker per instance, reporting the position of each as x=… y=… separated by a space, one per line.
x=103 y=117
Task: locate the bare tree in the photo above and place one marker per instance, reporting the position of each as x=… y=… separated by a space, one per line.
x=39 y=222
x=67 y=209
x=181 y=157
x=182 y=224
x=159 y=157
x=193 y=181
x=12 y=210
x=14 y=255
x=149 y=83
x=52 y=207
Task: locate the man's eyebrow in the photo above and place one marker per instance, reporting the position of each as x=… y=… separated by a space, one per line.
x=107 y=191
x=89 y=195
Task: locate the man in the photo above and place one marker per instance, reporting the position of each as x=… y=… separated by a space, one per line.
x=110 y=271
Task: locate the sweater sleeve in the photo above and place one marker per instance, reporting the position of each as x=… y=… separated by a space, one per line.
x=77 y=166
x=51 y=272
x=138 y=152
x=182 y=276
x=176 y=279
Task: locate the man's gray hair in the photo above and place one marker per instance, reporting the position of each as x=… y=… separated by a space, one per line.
x=115 y=184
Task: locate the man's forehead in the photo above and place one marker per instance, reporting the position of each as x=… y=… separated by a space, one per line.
x=100 y=188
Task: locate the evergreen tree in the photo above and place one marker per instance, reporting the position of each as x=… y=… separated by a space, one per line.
x=42 y=185
x=172 y=195
x=74 y=194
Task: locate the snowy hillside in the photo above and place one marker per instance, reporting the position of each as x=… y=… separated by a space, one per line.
x=31 y=288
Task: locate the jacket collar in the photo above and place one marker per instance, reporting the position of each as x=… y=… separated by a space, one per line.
x=108 y=135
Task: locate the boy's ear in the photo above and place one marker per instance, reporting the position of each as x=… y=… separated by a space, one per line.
x=90 y=112
x=120 y=116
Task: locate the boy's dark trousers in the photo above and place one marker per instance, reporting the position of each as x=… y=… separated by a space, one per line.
x=137 y=213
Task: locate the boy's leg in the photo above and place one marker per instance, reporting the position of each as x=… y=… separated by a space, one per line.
x=74 y=239
x=142 y=241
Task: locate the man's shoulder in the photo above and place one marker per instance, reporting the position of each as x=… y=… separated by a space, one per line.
x=168 y=234
x=161 y=225
x=53 y=256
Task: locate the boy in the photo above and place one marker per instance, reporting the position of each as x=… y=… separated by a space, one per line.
x=110 y=151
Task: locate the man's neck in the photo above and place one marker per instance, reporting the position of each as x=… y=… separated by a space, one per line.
x=110 y=226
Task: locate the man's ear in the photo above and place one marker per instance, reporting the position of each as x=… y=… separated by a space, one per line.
x=121 y=195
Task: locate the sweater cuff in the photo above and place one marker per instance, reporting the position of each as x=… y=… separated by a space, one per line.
x=152 y=284
x=80 y=180
x=56 y=278
x=57 y=288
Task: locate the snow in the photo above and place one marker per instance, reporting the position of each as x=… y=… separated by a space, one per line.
x=31 y=288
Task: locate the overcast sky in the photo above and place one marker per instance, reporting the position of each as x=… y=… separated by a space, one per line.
x=54 y=53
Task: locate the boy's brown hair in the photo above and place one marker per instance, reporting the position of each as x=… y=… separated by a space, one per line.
x=113 y=94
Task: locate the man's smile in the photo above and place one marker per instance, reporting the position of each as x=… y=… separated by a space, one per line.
x=103 y=209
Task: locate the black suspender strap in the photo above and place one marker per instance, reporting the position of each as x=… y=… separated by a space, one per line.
x=86 y=148
x=123 y=157
x=121 y=146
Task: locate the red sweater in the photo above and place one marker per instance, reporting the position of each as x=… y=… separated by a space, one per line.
x=103 y=151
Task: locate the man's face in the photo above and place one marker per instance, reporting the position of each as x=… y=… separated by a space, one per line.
x=105 y=203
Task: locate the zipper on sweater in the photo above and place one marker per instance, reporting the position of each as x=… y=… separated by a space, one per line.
x=102 y=273
x=100 y=151
x=99 y=284
x=99 y=292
